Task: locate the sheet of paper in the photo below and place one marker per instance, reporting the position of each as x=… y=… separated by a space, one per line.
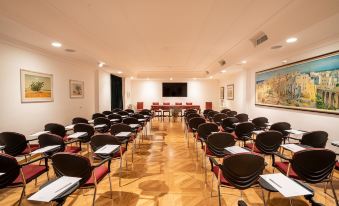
x=107 y=149
x=1 y=173
x=294 y=131
x=91 y=121
x=69 y=127
x=99 y=126
x=123 y=134
x=141 y=120
x=124 y=116
x=286 y=186
x=292 y=147
x=38 y=133
x=134 y=125
x=114 y=120
x=54 y=189
x=258 y=132
x=45 y=149
x=236 y=149
x=146 y=116
x=2 y=147
x=335 y=143
x=77 y=135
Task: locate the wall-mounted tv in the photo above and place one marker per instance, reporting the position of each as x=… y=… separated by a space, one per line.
x=174 y=89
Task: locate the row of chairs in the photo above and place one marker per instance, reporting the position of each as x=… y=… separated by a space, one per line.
x=313 y=165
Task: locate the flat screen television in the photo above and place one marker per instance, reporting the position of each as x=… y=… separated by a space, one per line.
x=174 y=89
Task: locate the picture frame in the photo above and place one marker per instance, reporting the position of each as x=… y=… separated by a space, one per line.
x=230 y=92
x=308 y=85
x=76 y=89
x=222 y=92
x=36 y=86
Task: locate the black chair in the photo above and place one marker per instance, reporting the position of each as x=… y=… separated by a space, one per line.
x=84 y=128
x=240 y=171
x=102 y=121
x=116 y=110
x=266 y=143
x=260 y=123
x=129 y=111
x=242 y=117
x=188 y=117
x=219 y=117
x=16 y=144
x=106 y=113
x=124 y=114
x=315 y=139
x=19 y=175
x=66 y=164
x=313 y=165
x=205 y=129
x=132 y=120
x=77 y=120
x=193 y=125
x=115 y=116
x=228 y=124
x=211 y=114
x=57 y=129
x=97 y=115
x=121 y=127
x=101 y=140
x=53 y=139
x=231 y=113
x=243 y=131
x=225 y=111
x=281 y=127
x=206 y=111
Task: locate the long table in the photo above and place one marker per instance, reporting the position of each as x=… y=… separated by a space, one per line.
x=167 y=107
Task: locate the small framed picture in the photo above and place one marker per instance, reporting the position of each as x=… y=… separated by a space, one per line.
x=76 y=89
x=230 y=92
x=222 y=92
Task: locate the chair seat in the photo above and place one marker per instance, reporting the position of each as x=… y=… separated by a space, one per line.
x=72 y=149
x=117 y=154
x=30 y=173
x=208 y=151
x=251 y=145
x=216 y=171
x=337 y=166
x=283 y=166
x=99 y=173
x=33 y=148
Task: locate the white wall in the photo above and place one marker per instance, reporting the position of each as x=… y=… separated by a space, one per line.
x=104 y=91
x=198 y=92
x=309 y=121
x=31 y=117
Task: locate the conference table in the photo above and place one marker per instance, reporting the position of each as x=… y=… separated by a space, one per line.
x=168 y=107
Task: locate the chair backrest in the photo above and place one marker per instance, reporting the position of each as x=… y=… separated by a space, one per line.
x=190 y=111
x=316 y=139
x=55 y=128
x=103 y=120
x=190 y=116
x=231 y=113
x=217 y=142
x=242 y=117
x=208 y=105
x=123 y=113
x=106 y=112
x=74 y=165
x=281 y=127
x=225 y=111
x=244 y=130
x=217 y=118
x=242 y=170
x=195 y=122
x=146 y=112
x=313 y=165
x=77 y=120
x=96 y=115
x=116 y=110
x=178 y=103
x=101 y=140
x=189 y=103
x=138 y=116
x=84 y=128
x=10 y=167
x=51 y=139
x=129 y=111
x=15 y=143
x=166 y=103
x=155 y=103
x=206 y=129
x=260 y=122
x=116 y=128
x=211 y=114
x=140 y=105
x=206 y=111
x=130 y=120
x=228 y=124
x=269 y=141
x=115 y=116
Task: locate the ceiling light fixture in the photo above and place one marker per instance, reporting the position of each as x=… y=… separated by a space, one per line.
x=291 y=40
x=243 y=61
x=119 y=72
x=101 y=64
x=147 y=78
x=211 y=77
x=194 y=78
x=223 y=71
x=171 y=78
x=56 y=44
x=132 y=77
x=284 y=61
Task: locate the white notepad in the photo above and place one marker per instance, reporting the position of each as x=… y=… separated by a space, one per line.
x=146 y=116
x=107 y=149
x=258 y=132
x=99 y=126
x=69 y=127
x=134 y=125
x=77 y=135
x=294 y=131
x=45 y=149
x=54 y=189
x=293 y=147
x=1 y=173
x=286 y=186
x=141 y=120
x=124 y=116
x=38 y=133
x=91 y=121
x=335 y=143
x=236 y=149
x=114 y=120
x=123 y=134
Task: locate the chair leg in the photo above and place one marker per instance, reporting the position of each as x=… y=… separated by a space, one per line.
x=120 y=171
x=95 y=192
x=204 y=156
x=212 y=186
x=23 y=193
x=219 y=195
x=334 y=194
x=263 y=196
x=110 y=185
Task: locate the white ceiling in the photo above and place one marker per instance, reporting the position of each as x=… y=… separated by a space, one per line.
x=162 y=38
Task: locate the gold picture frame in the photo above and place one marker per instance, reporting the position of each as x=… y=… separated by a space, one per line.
x=76 y=89
x=230 y=92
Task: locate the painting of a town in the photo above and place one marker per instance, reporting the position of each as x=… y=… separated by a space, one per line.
x=312 y=84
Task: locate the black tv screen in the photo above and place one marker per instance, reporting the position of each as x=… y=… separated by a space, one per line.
x=174 y=89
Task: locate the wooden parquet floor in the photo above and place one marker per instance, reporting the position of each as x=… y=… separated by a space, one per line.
x=165 y=173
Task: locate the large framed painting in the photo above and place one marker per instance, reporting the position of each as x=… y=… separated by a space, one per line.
x=76 y=89
x=230 y=92
x=36 y=87
x=311 y=85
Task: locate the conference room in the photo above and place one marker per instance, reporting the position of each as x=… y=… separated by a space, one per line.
x=169 y=103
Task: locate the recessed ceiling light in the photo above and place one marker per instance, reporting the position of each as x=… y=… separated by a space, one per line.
x=171 y=78
x=101 y=64
x=284 y=61
x=223 y=71
x=119 y=72
x=194 y=78
x=211 y=77
x=243 y=61
x=291 y=40
x=56 y=44
x=147 y=78
x=132 y=77
x=276 y=47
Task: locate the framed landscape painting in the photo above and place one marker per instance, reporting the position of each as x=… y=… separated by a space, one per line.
x=76 y=89
x=311 y=85
x=36 y=87
x=230 y=91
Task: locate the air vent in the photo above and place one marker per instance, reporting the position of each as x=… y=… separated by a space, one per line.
x=222 y=62
x=258 y=39
x=70 y=50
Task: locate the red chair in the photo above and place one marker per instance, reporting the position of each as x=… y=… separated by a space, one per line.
x=189 y=103
x=16 y=175
x=180 y=109
x=208 y=105
x=140 y=106
x=156 y=109
x=166 y=110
